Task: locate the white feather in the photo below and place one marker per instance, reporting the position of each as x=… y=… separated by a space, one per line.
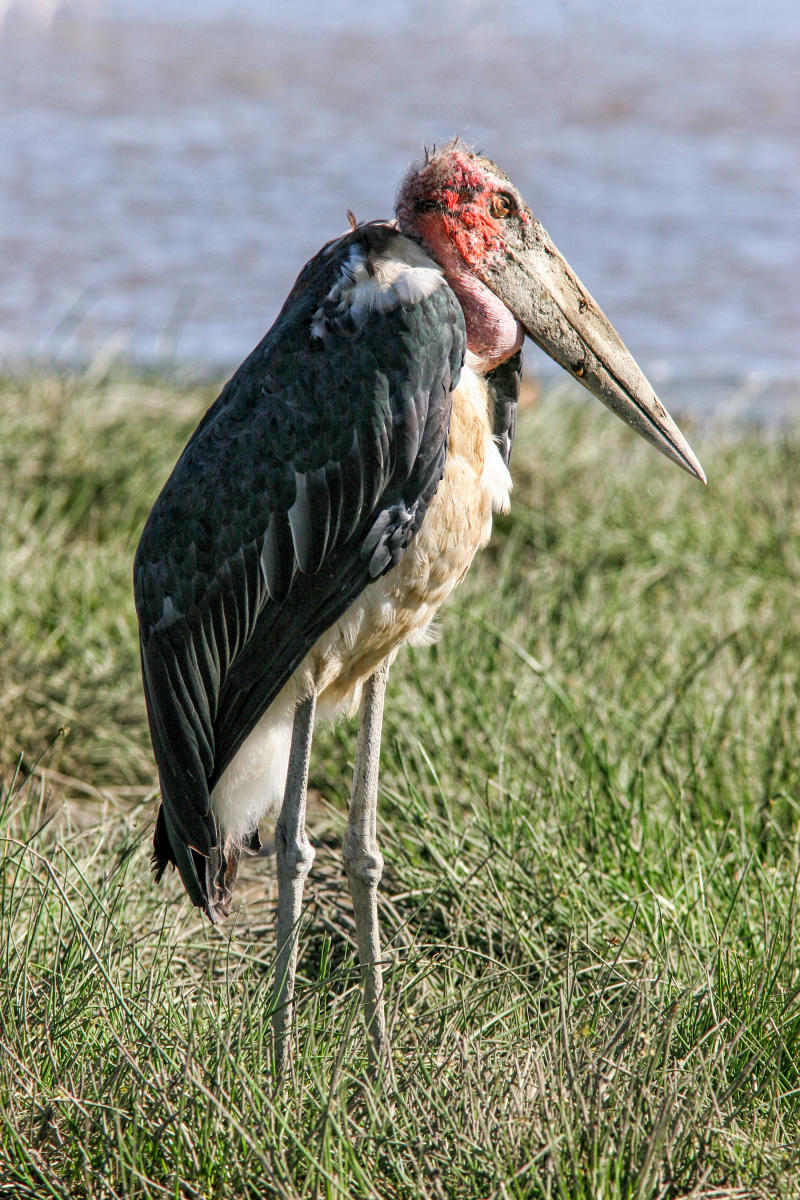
x=251 y=786
x=405 y=278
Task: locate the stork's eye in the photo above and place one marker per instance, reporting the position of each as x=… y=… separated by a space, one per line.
x=500 y=205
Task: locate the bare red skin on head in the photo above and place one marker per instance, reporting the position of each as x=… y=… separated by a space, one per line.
x=455 y=184
x=458 y=229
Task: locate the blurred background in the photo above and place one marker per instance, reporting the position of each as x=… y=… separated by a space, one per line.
x=166 y=167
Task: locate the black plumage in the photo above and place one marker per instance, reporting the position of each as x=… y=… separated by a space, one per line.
x=504 y=384
x=305 y=480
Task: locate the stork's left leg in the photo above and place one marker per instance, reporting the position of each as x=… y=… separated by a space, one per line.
x=294 y=854
x=364 y=863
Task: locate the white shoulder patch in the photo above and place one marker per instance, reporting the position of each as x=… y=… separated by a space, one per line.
x=404 y=277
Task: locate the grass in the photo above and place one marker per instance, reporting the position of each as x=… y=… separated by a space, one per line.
x=590 y=813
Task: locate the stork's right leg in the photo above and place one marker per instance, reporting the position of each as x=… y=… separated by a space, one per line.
x=294 y=855
x=364 y=863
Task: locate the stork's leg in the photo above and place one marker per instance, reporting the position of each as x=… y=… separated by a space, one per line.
x=294 y=855
x=364 y=862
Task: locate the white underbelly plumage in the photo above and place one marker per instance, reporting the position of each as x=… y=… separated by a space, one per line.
x=396 y=608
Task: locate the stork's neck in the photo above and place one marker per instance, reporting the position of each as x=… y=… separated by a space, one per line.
x=493 y=332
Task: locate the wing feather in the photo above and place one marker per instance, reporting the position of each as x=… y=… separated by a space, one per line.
x=277 y=556
x=333 y=483
x=504 y=384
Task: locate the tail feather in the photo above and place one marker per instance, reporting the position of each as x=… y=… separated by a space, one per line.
x=215 y=875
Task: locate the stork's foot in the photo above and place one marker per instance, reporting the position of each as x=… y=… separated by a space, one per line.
x=364 y=865
x=294 y=855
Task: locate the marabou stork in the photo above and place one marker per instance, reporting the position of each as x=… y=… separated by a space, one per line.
x=326 y=505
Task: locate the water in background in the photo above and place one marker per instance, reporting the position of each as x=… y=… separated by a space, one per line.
x=166 y=166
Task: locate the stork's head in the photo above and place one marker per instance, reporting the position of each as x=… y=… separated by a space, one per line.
x=511 y=280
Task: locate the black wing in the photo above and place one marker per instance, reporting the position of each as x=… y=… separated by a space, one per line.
x=305 y=480
x=504 y=384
